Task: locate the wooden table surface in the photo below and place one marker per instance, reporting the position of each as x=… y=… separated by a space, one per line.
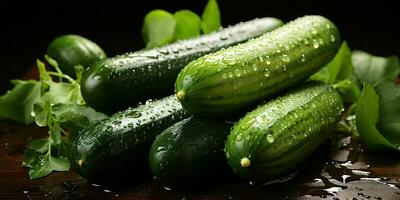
x=347 y=172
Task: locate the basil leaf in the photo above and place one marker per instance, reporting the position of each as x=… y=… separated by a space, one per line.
x=46 y=164
x=340 y=68
x=211 y=19
x=39 y=145
x=158 y=28
x=367 y=113
x=369 y=68
x=75 y=117
x=389 y=110
x=17 y=104
x=188 y=24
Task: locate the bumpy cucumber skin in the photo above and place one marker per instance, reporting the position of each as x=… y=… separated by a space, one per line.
x=189 y=151
x=109 y=144
x=278 y=135
x=240 y=76
x=72 y=50
x=125 y=80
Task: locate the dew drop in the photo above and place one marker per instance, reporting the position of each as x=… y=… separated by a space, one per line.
x=303 y=58
x=254 y=67
x=315 y=44
x=314 y=32
x=332 y=38
x=247 y=138
x=239 y=137
x=134 y=114
x=116 y=122
x=266 y=72
x=270 y=138
x=285 y=58
x=238 y=73
x=230 y=74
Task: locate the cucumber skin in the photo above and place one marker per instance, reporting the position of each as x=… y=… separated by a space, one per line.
x=189 y=152
x=72 y=50
x=122 y=81
x=235 y=78
x=299 y=122
x=125 y=137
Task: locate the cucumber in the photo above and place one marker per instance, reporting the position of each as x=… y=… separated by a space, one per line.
x=110 y=145
x=240 y=76
x=125 y=80
x=271 y=140
x=189 y=152
x=72 y=50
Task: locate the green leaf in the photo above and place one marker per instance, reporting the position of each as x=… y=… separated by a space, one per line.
x=188 y=24
x=369 y=68
x=39 y=145
x=31 y=158
x=17 y=104
x=75 y=117
x=340 y=68
x=211 y=17
x=61 y=92
x=158 y=28
x=389 y=110
x=366 y=118
x=46 y=164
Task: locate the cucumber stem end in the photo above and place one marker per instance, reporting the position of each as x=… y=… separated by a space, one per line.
x=245 y=162
x=181 y=95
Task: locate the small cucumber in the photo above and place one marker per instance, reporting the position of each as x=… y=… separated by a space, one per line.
x=109 y=145
x=240 y=76
x=72 y=50
x=278 y=135
x=125 y=80
x=189 y=152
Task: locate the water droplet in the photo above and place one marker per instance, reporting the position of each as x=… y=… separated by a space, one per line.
x=237 y=72
x=285 y=58
x=287 y=47
x=116 y=122
x=134 y=114
x=270 y=138
x=315 y=44
x=247 y=138
x=164 y=51
x=328 y=26
x=224 y=76
x=230 y=74
x=239 y=137
x=175 y=50
x=266 y=72
x=284 y=67
x=321 y=42
x=332 y=38
x=303 y=58
x=229 y=59
x=254 y=67
x=314 y=31
x=223 y=37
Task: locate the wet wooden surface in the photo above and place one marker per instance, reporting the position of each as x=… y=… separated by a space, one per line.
x=346 y=172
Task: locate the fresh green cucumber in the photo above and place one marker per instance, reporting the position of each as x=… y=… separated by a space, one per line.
x=106 y=147
x=275 y=137
x=240 y=76
x=125 y=80
x=72 y=50
x=189 y=152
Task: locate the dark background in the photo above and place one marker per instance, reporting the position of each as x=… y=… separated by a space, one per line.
x=28 y=27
